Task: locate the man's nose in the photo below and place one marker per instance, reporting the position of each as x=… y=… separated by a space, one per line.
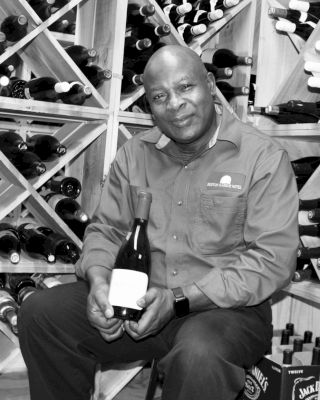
x=175 y=101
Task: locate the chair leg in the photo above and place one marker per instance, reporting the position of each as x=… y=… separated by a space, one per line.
x=152 y=380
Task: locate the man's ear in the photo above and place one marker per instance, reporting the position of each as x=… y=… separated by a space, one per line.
x=211 y=83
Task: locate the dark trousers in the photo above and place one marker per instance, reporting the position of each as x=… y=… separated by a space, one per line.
x=203 y=356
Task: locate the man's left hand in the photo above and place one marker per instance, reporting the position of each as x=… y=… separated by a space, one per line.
x=158 y=310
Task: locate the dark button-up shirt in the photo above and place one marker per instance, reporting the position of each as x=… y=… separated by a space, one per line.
x=226 y=220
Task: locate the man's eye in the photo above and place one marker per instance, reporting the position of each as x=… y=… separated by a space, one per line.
x=158 y=97
x=186 y=86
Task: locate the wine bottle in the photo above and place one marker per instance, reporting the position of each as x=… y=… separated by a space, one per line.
x=96 y=75
x=46 y=147
x=45 y=10
x=225 y=58
x=8 y=310
x=65 y=185
x=22 y=286
x=294 y=16
x=285 y=336
x=314 y=215
x=174 y=12
x=305 y=165
x=12 y=141
x=308 y=252
x=315 y=356
x=151 y=31
x=3 y=42
x=297 y=345
x=205 y=5
x=129 y=279
x=225 y=4
x=14 y=27
x=311 y=8
x=309 y=230
x=290 y=328
x=70 y=211
x=81 y=55
x=35 y=3
x=219 y=73
x=9 y=243
x=287 y=357
x=64 y=249
x=134 y=46
x=6 y=70
x=230 y=91
x=302 y=30
x=77 y=94
x=304 y=274
x=202 y=17
x=138 y=64
x=309 y=204
x=45 y=88
x=28 y=164
x=188 y=32
x=130 y=81
x=307 y=336
x=136 y=14
x=35 y=243
x=3 y=280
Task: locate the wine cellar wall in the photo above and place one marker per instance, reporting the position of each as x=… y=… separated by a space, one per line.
x=92 y=131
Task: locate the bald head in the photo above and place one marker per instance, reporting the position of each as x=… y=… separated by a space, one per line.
x=171 y=57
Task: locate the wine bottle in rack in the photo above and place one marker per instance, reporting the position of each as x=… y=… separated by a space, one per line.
x=22 y=286
x=77 y=93
x=6 y=70
x=14 y=27
x=305 y=165
x=302 y=30
x=96 y=75
x=311 y=8
x=219 y=73
x=45 y=10
x=225 y=4
x=175 y=12
x=304 y=274
x=66 y=185
x=64 y=249
x=9 y=242
x=130 y=275
x=27 y=163
x=45 y=88
x=309 y=230
x=3 y=42
x=202 y=17
x=294 y=16
x=70 y=211
x=11 y=142
x=8 y=310
x=138 y=64
x=151 y=31
x=314 y=215
x=3 y=280
x=224 y=58
x=130 y=81
x=137 y=14
x=35 y=243
x=133 y=46
x=46 y=147
x=306 y=253
x=309 y=204
x=188 y=32
x=81 y=55
x=229 y=91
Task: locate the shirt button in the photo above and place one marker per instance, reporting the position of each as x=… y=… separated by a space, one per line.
x=186 y=167
x=179 y=203
x=174 y=272
x=174 y=237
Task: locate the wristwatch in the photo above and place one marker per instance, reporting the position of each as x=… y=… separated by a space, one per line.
x=181 y=302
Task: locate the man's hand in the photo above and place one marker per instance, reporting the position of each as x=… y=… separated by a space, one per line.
x=158 y=305
x=100 y=312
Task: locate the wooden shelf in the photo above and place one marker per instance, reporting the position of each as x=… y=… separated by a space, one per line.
x=306 y=290
x=31 y=265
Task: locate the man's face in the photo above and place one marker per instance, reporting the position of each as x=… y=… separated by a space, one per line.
x=181 y=101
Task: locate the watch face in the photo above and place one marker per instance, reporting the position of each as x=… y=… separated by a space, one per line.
x=181 y=307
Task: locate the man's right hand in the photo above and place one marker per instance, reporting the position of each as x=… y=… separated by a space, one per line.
x=99 y=310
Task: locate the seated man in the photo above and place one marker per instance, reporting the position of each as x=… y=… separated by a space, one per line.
x=223 y=231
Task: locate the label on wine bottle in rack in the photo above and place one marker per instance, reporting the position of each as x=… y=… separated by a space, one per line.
x=7 y=232
x=126 y=287
x=27 y=94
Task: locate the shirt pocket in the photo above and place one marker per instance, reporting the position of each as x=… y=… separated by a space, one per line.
x=218 y=223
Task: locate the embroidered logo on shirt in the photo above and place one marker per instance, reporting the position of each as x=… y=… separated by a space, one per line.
x=223 y=180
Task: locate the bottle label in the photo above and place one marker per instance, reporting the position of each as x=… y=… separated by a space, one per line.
x=126 y=287
x=7 y=233
x=27 y=94
x=181 y=28
x=54 y=200
x=197 y=16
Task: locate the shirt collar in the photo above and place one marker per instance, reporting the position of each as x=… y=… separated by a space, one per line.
x=227 y=130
